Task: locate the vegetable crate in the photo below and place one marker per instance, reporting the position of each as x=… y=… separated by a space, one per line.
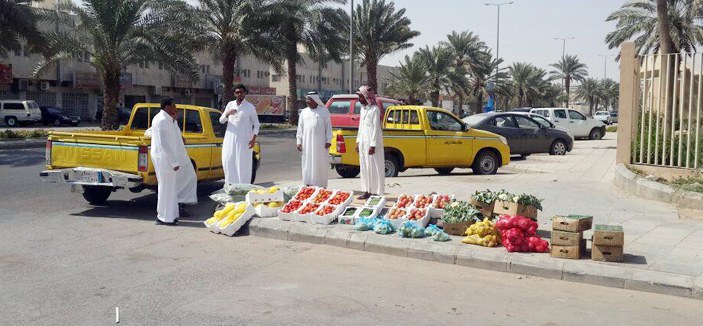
x=327 y=218
x=348 y=216
x=265 y=211
x=366 y=212
x=253 y=198
x=486 y=209
x=456 y=228
x=510 y=208
x=376 y=201
x=438 y=212
x=231 y=229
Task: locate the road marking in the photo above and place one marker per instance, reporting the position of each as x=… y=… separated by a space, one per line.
x=117 y=315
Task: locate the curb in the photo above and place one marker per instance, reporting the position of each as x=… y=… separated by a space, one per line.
x=22 y=144
x=496 y=259
x=632 y=183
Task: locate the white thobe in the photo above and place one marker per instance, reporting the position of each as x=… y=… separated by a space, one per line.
x=237 y=157
x=372 y=167
x=167 y=153
x=314 y=132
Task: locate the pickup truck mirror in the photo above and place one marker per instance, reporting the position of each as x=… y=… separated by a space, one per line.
x=465 y=127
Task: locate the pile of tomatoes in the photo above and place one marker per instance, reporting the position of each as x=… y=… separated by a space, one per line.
x=404 y=201
x=322 y=196
x=396 y=213
x=417 y=214
x=305 y=193
x=440 y=201
x=309 y=208
x=423 y=201
x=325 y=210
x=292 y=206
x=339 y=198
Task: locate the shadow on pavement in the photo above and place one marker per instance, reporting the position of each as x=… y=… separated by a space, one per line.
x=10 y=158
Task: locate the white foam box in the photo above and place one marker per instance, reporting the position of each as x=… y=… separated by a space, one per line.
x=253 y=198
x=326 y=219
x=265 y=211
x=418 y=196
x=309 y=198
x=231 y=229
x=421 y=222
x=348 y=219
x=347 y=201
x=288 y=216
x=395 y=204
x=374 y=213
x=438 y=212
x=380 y=203
x=214 y=227
x=306 y=218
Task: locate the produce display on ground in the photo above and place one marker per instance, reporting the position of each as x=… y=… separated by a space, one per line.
x=483 y=233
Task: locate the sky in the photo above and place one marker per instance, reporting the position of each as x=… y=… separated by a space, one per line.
x=527 y=29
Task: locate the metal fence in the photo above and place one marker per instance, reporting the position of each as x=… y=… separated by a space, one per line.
x=668 y=111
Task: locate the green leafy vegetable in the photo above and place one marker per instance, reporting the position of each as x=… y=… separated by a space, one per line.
x=460 y=212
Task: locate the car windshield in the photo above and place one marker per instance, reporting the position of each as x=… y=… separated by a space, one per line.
x=33 y=105
x=474 y=119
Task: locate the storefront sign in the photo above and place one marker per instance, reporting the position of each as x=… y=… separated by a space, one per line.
x=126 y=79
x=5 y=73
x=262 y=90
x=267 y=104
x=182 y=82
x=87 y=80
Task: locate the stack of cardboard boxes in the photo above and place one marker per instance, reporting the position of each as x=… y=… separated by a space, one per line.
x=567 y=236
x=608 y=243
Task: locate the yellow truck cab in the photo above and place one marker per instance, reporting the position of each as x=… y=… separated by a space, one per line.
x=424 y=137
x=98 y=163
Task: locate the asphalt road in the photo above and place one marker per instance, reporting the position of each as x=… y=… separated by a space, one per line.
x=64 y=262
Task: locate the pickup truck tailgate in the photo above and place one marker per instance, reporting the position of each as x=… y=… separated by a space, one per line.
x=108 y=151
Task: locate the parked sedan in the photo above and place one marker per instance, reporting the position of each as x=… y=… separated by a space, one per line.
x=524 y=134
x=56 y=116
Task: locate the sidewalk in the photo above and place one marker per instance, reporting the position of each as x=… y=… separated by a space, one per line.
x=663 y=251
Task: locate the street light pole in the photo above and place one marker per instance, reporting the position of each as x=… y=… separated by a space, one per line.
x=351 y=49
x=563 y=52
x=605 y=64
x=497 y=5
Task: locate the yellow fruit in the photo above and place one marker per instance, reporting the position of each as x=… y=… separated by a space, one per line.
x=226 y=223
x=212 y=220
x=274 y=204
x=228 y=208
x=218 y=214
x=273 y=189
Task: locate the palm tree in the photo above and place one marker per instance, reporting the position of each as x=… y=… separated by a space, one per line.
x=608 y=89
x=467 y=50
x=589 y=91
x=482 y=74
x=523 y=77
x=379 y=30
x=18 y=25
x=437 y=62
x=314 y=25
x=119 y=33
x=569 y=68
x=229 y=29
x=409 y=80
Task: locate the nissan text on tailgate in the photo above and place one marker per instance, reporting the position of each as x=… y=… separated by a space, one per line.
x=98 y=163
x=424 y=137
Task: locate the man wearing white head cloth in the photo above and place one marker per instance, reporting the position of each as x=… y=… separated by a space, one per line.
x=369 y=145
x=314 y=138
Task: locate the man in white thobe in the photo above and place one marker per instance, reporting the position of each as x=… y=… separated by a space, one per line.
x=369 y=145
x=237 y=148
x=314 y=138
x=177 y=182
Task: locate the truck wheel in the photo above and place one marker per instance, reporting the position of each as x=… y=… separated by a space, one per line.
x=392 y=166
x=347 y=172
x=11 y=121
x=485 y=163
x=444 y=171
x=96 y=195
x=595 y=134
x=558 y=148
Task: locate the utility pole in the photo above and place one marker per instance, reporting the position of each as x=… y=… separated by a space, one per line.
x=351 y=49
x=605 y=64
x=497 y=5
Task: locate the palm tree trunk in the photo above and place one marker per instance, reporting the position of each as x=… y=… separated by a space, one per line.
x=292 y=85
x=434 y=95
x=111 y=94
x=521 y=95
x=666 y=45
x=228 y=77
x=319 y=76
x=567 y=85
x=590 y=105
x=371 y=68
x=479 y=99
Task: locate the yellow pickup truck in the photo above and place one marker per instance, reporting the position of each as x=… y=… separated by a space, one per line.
x=98 y=163
x=424 y=137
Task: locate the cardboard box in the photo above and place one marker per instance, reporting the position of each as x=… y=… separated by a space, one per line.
x=456 y=228
x=608 y=235
x=510 y=208
x=607 y=253
x=569 y=252
x=564 y=238
x=572 y=223
x=486 y=209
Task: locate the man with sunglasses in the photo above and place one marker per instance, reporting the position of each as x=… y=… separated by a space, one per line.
x=237 y=148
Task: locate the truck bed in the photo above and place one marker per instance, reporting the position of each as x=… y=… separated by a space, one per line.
x=111 y=150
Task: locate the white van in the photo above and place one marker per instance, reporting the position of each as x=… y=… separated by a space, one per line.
x=17 y=112
x=576 y=123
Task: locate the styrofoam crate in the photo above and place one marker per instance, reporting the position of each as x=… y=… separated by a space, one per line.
x=438 y=212
x=265 y=211
x=306 y=218
x=231 y=229
x=351 y=219
x=312 y=196
x=396 y=222
x=253 y=198
x=381 y=202
x=326 y=219
x=421 y=222
x=412 y=200
x=333 y=192
x=346 y=202
x=374 y=213
x=288 y=216
x=417 y=196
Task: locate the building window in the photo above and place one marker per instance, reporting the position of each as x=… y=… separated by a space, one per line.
x=276 y=78
x=146 y=65
x=258 y=74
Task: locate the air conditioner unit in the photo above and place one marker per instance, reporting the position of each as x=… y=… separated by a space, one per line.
x=44 y=85
x=186 y=92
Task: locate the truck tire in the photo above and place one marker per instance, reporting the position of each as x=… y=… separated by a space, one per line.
x=444 y=171
x=485 y=163
x=392 y=166
x=347 y=172
x=96 y=195
x=11 y=121
x=595 y=134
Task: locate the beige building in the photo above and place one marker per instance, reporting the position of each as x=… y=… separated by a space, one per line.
x=75 y=86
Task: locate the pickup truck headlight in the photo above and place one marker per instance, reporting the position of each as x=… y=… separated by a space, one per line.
x=503 y=140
